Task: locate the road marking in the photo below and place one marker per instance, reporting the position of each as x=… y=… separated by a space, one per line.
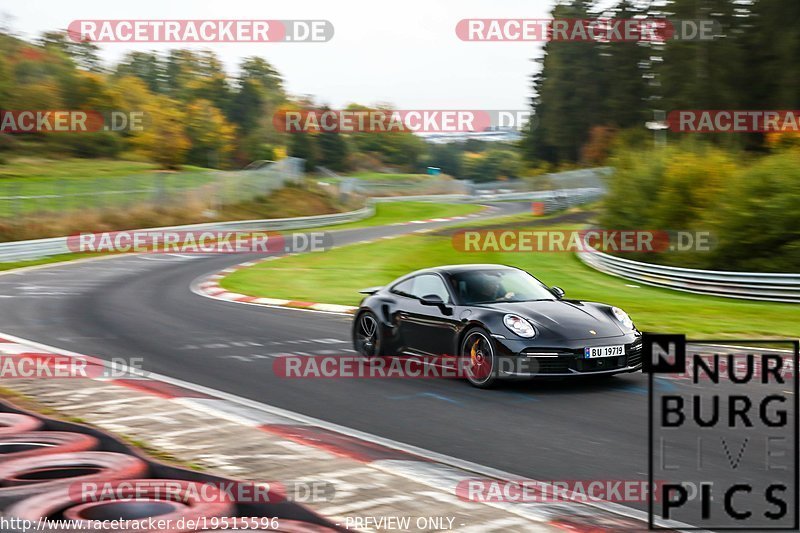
x=435 y=457
x=433 y=395
x=759 y=348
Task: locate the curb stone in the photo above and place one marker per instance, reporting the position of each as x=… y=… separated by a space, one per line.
x=209 y=285
x=233 y=439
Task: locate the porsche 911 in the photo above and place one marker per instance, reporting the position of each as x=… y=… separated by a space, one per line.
x=499 y=321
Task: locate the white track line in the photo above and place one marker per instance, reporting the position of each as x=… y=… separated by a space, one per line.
x=408 y=448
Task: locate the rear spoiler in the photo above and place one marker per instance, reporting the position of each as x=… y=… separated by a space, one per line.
x=371 y=290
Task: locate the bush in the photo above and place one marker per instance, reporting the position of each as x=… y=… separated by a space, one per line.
x=491 y=165
x=758 y=220
x=750 y=209
x=8 y=143
x=673 y=189
x=99 y=144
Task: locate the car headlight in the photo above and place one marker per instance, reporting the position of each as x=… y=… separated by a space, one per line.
x=623 y=317
x=520 y=326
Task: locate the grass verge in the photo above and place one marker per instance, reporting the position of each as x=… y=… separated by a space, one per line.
x=336 y=276
x=46 y=260
x=389 y=177
x=394 y=212
x=290 y=204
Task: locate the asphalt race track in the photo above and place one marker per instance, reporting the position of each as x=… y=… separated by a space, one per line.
x=142 y=306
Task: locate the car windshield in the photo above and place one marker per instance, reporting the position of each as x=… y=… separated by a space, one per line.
x=495 y=286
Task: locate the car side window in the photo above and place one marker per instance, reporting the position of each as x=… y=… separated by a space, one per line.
x=404 y=288
x=428 y=284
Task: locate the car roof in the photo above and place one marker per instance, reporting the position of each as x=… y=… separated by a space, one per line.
x=455 y=269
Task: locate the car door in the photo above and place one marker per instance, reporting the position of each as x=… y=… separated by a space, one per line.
x=428 y=328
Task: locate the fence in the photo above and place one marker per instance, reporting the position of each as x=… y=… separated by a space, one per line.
x=746 y=285
x=36 y=249
x=211 y=189
x=571 y=179
x=593 y=178
x=230 y=187
x=399 y=186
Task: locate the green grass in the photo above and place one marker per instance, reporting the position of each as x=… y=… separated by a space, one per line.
x=32 y=176
x=385 y=176
x=519 y=220
x=386 y=213
x=47 y=260
x=393 y=212
x=336 y=276
x=75 y=168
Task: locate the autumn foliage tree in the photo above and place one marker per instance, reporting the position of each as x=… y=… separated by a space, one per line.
x=194 y=111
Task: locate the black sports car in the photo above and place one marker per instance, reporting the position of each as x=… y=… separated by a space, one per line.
x=498 y=321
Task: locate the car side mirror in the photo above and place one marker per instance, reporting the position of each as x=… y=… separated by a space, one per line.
x=558 y=292
x=432 y=299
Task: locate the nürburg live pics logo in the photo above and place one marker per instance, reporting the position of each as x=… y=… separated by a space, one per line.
x=723 y=433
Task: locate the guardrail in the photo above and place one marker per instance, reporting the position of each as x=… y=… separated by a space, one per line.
x=39 y=248
x=204 y=189
x=561 y=198
x=558 y=199
x=744 y=285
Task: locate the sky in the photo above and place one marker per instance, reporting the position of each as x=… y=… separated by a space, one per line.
x=403 y=53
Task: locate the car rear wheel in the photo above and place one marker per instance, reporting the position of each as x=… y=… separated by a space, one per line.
x=480 y=361
x=367 y=335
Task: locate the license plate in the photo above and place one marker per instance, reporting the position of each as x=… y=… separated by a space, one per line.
x=603 y=351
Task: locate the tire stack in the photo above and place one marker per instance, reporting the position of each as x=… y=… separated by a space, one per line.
x=42 y=463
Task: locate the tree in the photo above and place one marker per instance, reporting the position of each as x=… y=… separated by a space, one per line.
x=568 y=93
x=83 y=54
x=448 y=157
x=247 y=106
x=147 y=66
x=598 y=147
x=302 y=145
x=491 y=165
x=395 y=148
x=332 y=149
x=164 y=140
x=6 y=82
x=624 y=90
x=258 y=93
x=211 y=136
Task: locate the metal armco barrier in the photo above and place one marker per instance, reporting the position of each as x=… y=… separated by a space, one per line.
x=39 y=248
x=559 y=197
x=745 y=285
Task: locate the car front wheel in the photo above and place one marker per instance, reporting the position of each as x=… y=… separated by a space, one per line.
x=367 y=335
x=479 y=359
